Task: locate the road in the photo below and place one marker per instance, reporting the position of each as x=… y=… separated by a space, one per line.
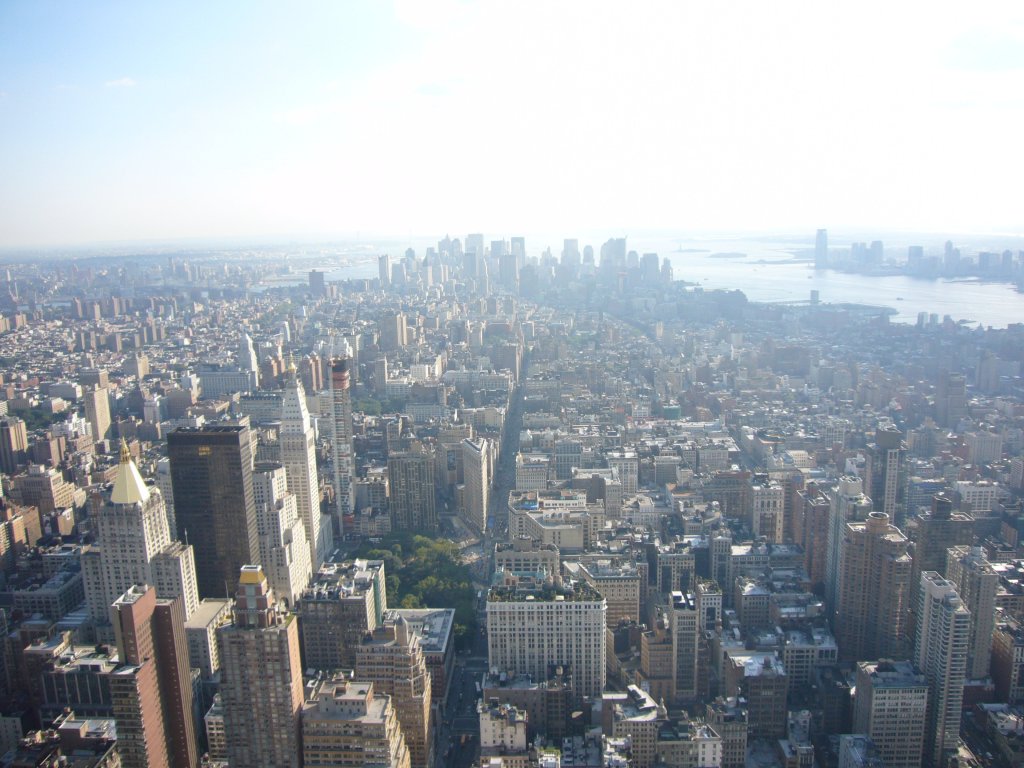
x=461 y=718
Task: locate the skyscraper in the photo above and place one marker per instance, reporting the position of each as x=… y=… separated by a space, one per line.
x=341 y=436
x=874 y=589
x=821 y=249
x=152 y=690
x=976 y=582
x=13 y=444
x=297 y=438
x=261 y=683
x=885 y=482
x=384 y=271
x=211 y=473
x=392 y=659
x=940 y=651
x=284 y=549
x=476 y=470
x=890 y=707
x=132 y=544
x=97 y=411
x=847 y=503
x=937 y=531
x=411 y=480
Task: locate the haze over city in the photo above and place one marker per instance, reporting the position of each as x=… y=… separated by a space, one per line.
x=125 y=122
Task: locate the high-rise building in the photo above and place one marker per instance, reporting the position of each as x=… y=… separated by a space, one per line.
x=247 y=359
x=349 y=725
x=134 y=546
x=976 y=582
x=317 y=286
x=344 y=603
x=284 y=548
x=261 y=678
x=821 y=249
x=13 y=444
x=476 y=470
x=151 y=691
x=886 y=478
x=297 y=439
x=392 y=659
x=937 y=531
x=950 y=399
x=532 y=628
x=874 y=589
x=211 y=473
x=411 y=480
x=97 y=411
x=890 y=707
x=847 y=503
x=342 y=452
x=684 y=646
x=392 y=331
x=384 y=271
x=940 y=651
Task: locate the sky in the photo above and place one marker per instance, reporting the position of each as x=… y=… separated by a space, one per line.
x=127 y=121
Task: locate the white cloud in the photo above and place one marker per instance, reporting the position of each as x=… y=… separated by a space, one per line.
x=121 y=82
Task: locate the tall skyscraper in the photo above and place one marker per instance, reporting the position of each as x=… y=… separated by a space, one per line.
x=13 y=444
x=211 y=473
x=392 y=659
x=261 y=678
x=847 y=503
x=132 y=544
x=976 y=582
x=97 y=411
x=384 y=271
x=886 y=472
x=247 y=359
x=940 y=651
x=937 y=531
x=152 y=691
x=297 y=438
x=343 y=455
x=821 y=249
x=950 y=399
x=874 y=589
x=411 y=479
x=684 y=645
x=476 y=470
x=891 y=707
x=284 y=548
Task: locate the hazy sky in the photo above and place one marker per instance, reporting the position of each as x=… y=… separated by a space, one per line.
x=123 y=121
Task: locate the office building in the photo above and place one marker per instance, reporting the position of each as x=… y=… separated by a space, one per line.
x=685 y=637
x=345 y=602
x=211 y=473
x=940 y=651
x=976 y=582
x=134 y=546
x=350 y=725
x=284 y=548
x=13 y=444
x=847 y=503
x=151 y=691
x=342 y=451
x=261 y=678
x=97 y=411
x=874 y=590
x=532 y=627
x=411 y=480
x=476 y=470
x=937 y=530
x=890 y=708
x=885 y=476
x=391 y=658
x=297 y=439
x=384 y=271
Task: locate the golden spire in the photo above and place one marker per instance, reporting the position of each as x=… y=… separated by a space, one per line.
x=126 y=455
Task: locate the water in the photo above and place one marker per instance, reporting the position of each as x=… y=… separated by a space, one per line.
x=769 y=273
